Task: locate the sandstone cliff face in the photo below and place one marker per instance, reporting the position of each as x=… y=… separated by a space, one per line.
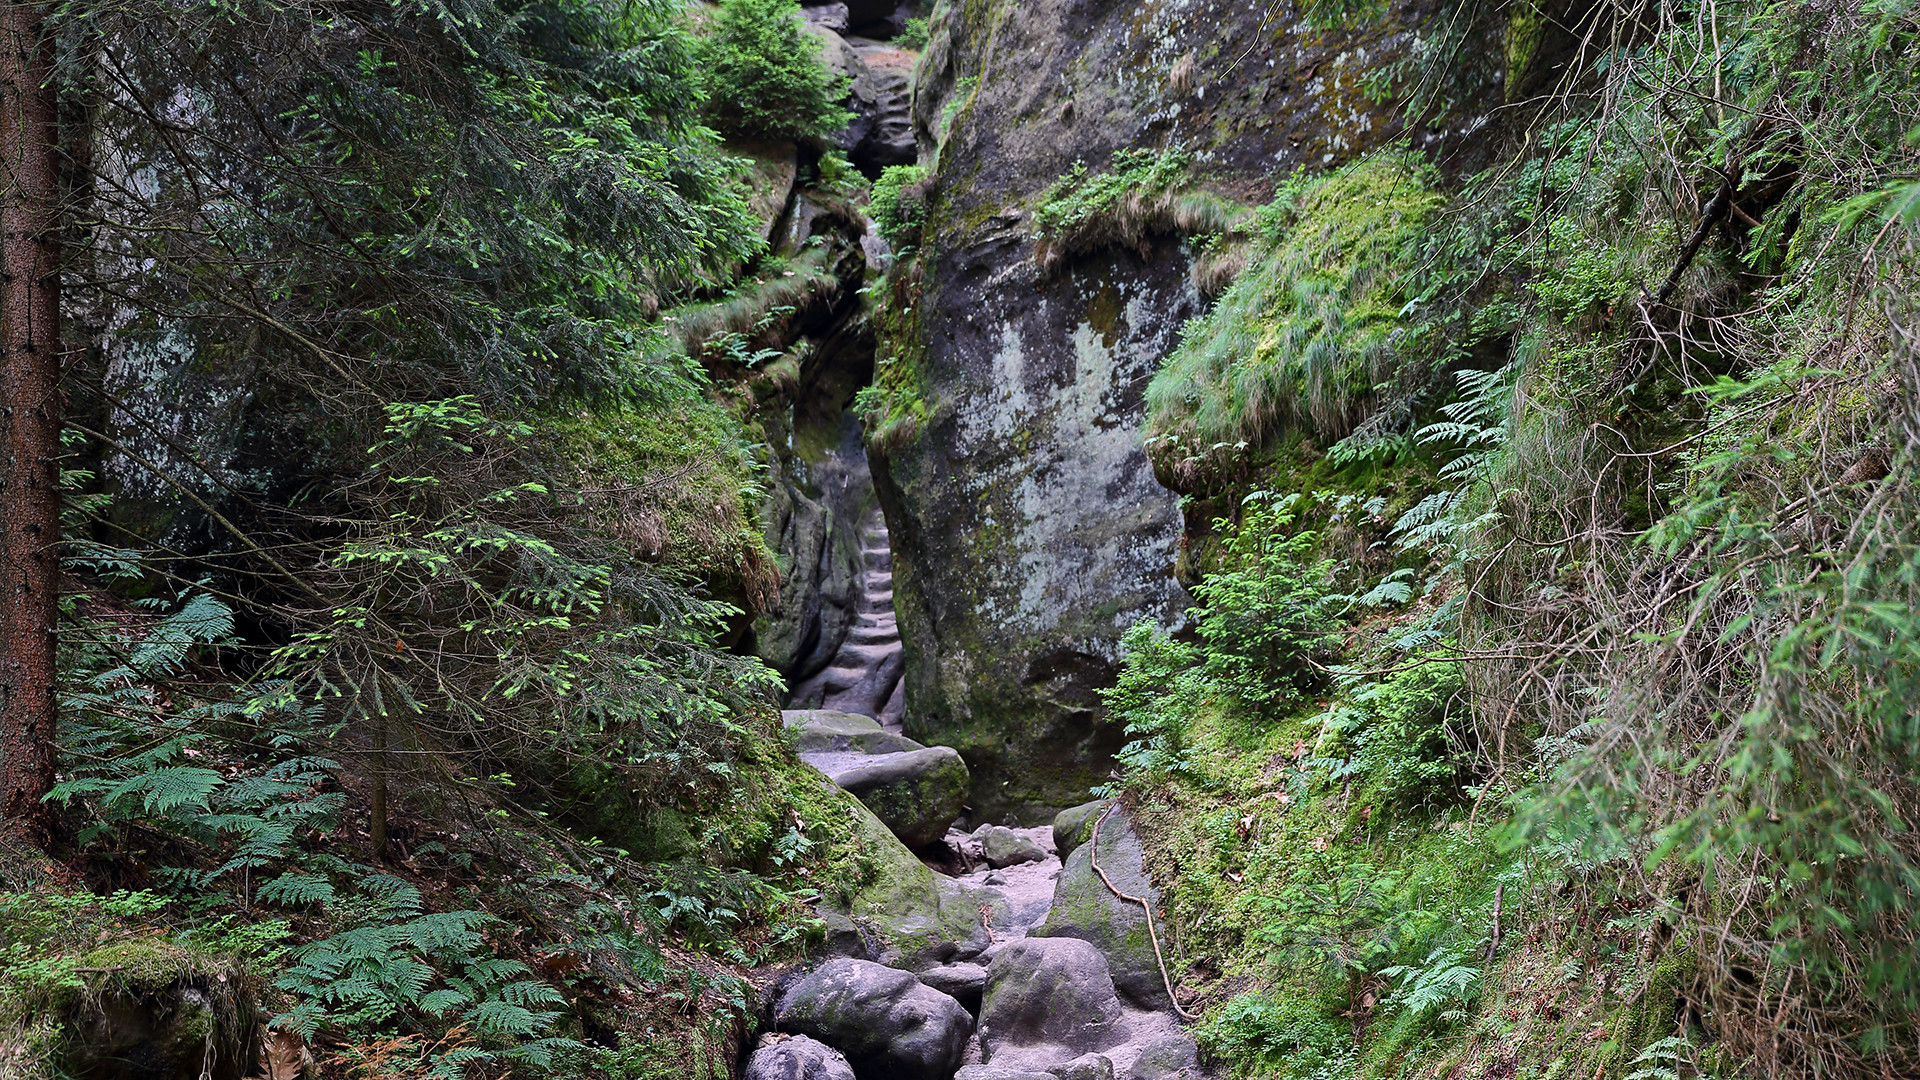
x=1028 y=529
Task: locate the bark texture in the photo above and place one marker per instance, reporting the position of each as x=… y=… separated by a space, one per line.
x=29 y=421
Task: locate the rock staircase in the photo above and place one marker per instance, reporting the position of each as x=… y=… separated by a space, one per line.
x=864 y=676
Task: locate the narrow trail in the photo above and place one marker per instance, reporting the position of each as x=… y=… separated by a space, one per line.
x=864 y=676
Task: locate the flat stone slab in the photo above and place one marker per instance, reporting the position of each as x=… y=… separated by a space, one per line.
x=822 y=731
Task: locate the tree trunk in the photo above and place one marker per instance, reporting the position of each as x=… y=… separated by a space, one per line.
x=29 y=420
x=377 y=817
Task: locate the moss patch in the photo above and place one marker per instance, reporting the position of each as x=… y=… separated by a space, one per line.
x=1307 y=331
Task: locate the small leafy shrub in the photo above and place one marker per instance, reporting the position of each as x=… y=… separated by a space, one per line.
x=397 y=967
x=1160 y=686
x=913 y=35
x=899 y=205
x=1441 y=987
x=764 y=77
x=1268 y=615
x=1397 y=730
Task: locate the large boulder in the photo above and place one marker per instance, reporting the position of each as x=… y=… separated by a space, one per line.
x=917 y=793
x=1072 y=826
x=1048 y=1000
x=911 y=917
x=1084 y=908
x=796 y=1057
x=884 y=1020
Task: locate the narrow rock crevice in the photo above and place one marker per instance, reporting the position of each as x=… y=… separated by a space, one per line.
x=863 y=677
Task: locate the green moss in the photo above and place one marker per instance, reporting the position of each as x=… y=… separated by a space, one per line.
x=678 y=486
x=1307 y=331
x=69 y=953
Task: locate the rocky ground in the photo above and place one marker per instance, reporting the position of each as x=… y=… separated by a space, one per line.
x=982 y=955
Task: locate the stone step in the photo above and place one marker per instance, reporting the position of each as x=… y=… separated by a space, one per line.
x=873 y=635
x=838 y=678
x=867 y=655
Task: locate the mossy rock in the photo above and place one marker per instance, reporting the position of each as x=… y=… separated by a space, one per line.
x=917 y=793
x=1084 y=908
x=158 y=1011
x=923 y=919
x=1072 y=826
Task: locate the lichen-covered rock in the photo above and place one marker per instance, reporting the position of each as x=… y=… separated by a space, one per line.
x=1030 y=531
x=1171 y=1057
x=796 y=1057
x=884 y=1020
x=1048 y=1000
x=1084 y=1067
x=916 y=793
x=1084 y=908
x=1072 y=826
x=1002 y=847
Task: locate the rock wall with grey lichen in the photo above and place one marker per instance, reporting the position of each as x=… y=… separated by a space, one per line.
x=1029 y=532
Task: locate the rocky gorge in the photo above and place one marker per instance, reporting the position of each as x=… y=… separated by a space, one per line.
x=961 y=540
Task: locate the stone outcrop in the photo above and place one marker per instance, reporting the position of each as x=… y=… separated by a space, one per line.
x=878 y=91
x=863 y=675
x=886 y=1022
x=1029 y=530
x=916 y=793
x=915 y=790
x=964 y=983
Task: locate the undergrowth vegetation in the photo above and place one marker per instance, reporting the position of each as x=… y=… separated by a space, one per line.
x=401 y=718
x=1576 y=734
